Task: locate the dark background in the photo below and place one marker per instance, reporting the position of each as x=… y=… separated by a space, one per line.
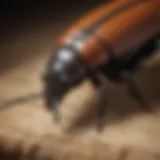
x=12 y=12
x=59 y=6
x=35 y=17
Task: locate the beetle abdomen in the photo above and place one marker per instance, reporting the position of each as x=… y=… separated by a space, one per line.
x=133 y=27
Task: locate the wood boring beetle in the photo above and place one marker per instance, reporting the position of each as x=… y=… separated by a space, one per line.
x=112 y=39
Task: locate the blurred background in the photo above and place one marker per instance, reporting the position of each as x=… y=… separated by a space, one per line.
x=39 y=21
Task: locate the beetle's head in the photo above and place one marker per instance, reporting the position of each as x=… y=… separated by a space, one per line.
x=64 y=70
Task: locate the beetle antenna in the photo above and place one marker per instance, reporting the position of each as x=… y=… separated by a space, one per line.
x=26 y=98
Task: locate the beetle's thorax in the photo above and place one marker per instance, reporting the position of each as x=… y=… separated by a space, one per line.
x=65 y=70
x=67 y=65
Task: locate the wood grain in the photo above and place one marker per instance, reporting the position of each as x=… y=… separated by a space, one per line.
x=27 y=130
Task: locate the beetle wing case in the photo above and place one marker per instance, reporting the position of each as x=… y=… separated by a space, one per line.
x=123 y=25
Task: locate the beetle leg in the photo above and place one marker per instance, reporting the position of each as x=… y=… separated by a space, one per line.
x=103 y=105
x=56 y=114
x=134 y=91
x=99 y=83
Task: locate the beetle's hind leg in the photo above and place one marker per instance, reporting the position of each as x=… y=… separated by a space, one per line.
x=135 y=91
x=146 y=51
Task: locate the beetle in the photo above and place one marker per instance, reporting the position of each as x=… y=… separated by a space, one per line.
x=113 y=39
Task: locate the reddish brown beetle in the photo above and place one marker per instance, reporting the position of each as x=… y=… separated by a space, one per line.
x=113 y=39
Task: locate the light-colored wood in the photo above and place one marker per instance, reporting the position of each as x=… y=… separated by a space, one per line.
x=27 y=129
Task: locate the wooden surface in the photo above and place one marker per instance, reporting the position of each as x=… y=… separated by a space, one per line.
x=27 y=130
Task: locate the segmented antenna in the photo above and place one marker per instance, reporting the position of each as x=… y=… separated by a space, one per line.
x=26 y=98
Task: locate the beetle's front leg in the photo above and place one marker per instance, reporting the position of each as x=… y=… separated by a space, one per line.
x=102 y=86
